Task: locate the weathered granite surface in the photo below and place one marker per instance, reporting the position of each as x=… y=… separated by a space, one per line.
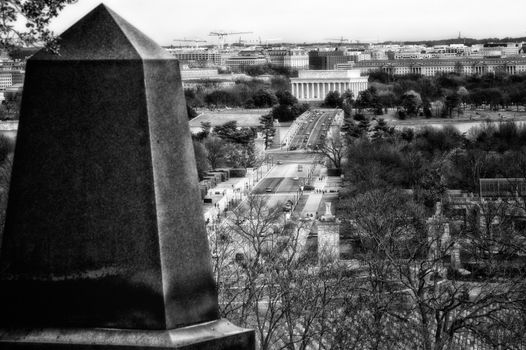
x=215 y=335
x=104 y=224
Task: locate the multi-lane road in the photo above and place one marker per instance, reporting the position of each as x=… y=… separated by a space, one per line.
x=285 y=177
x=294 y=168
x=312 y=129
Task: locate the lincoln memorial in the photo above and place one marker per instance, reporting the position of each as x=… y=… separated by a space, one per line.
x=315 y=84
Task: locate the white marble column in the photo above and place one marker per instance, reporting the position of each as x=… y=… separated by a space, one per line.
x=318 y=90
x=298 y=87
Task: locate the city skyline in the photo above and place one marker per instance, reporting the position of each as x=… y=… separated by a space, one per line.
x=311 y=21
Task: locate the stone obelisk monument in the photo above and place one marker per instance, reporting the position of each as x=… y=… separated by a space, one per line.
x=105 y=242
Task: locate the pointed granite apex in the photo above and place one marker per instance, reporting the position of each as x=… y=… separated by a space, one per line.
x=103 y=35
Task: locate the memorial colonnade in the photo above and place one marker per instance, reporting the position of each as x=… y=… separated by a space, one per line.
x=318 y=90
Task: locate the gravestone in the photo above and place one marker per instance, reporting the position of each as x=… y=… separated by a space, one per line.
x=105 y=242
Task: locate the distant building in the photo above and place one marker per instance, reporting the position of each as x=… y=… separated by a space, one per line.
x=199 y=73
x=314 y=84
x=291 y=58
x=17 y=77
x=431 y=67
x=378 y=55
x=11 y=72
x=501 y=49
x=326 y=60
x=196 y=57
x=409 y=55
x=345 y=66
x=208 y=78
x=4 y=55
x=356 y=56
x=6 y=79
x=245 y=59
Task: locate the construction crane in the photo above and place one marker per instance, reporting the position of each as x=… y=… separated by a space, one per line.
x=267 y=40
x=196 y=42
x=341 y=40
x=221 y=36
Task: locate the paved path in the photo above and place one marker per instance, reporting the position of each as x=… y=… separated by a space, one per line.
x=312 y=205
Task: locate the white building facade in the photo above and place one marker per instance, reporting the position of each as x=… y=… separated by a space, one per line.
x=292 y=58
x=431 y=67
x=314 y=85
x=6 y=79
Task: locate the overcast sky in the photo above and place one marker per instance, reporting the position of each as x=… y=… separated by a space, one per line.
x=313 y=20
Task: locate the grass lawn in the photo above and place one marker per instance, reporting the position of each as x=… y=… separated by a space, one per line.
x=243 y=117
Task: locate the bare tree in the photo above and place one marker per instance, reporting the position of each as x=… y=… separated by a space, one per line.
x=215 y=148
x=334 y=149
x=268 y=281
x=35 y=15
x=441 y=306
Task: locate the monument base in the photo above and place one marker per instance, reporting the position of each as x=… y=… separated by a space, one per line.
x=217 y=335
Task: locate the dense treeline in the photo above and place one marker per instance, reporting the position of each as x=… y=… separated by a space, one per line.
x=431 y=160
x=444 y=95
x=225 y=145
x=459 y=40
x=255 y=70
x=253 y=93
x=250 y=94
x=394 y=226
